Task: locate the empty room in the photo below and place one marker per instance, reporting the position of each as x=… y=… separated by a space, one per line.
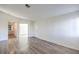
x=39 y=29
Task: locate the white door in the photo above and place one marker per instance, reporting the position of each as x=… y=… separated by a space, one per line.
x=23 y=36
x=23 y=30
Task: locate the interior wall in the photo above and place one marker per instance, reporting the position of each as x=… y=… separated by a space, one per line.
x=3 y=28
x=62 y=30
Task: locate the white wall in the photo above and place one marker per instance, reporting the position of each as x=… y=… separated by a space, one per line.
x=62 y=30
x=3 y=28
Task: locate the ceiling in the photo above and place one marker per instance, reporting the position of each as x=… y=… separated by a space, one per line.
x=38 y=11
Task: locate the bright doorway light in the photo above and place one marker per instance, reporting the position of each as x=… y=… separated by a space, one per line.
x=23 y=30
x=23 y=37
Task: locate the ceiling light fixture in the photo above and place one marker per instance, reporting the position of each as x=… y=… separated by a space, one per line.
x=28 y=6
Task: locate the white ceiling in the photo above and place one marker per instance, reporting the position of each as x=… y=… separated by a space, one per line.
x=37 y=11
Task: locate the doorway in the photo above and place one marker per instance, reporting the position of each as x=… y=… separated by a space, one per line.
x=11 y=37
x=23 y=37
x=23 y=30
x=11 y=29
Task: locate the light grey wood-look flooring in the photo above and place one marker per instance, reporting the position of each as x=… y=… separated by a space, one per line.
x=38 y=46
x=45 y=47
